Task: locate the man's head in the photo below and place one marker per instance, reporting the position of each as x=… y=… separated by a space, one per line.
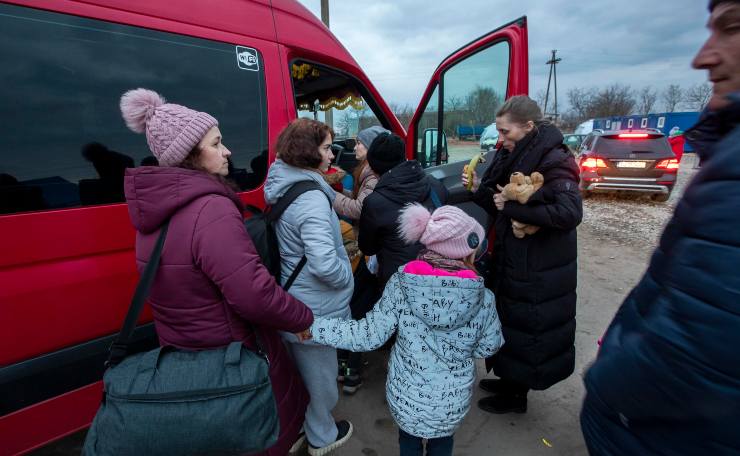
x=720 y=54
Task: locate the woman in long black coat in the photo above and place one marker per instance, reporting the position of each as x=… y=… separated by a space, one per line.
x=533 y=278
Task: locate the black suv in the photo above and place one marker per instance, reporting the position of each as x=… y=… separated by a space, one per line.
x=628 y=160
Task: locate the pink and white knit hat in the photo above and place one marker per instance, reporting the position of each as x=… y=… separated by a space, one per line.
x=172 y=131
x=448 y=230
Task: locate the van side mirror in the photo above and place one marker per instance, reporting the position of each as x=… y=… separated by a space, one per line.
x=431 y=147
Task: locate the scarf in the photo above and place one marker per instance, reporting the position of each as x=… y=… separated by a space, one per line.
x=440 y=262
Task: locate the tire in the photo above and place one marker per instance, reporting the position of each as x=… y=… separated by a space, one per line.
x=660 y=197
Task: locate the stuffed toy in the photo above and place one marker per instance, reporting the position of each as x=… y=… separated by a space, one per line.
x=520 y=188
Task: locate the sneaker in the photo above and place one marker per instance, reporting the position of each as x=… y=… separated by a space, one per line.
x=299 y=443
x=342 y=370
x=344 y=429
x=504 y=403
x=352 y=383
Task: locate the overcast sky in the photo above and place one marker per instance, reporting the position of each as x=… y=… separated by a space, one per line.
x=399 y=43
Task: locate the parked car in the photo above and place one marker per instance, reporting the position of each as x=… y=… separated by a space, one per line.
x=489 y=138
x=628 y=160
x=67 y=269
x=573 y=141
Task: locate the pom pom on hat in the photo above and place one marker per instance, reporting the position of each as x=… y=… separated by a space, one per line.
x=448 y=231
x=171 y=130
x=137 y=107
x=412 y=222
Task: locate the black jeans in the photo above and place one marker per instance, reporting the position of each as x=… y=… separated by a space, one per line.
x=412 y=445
x=363 y=300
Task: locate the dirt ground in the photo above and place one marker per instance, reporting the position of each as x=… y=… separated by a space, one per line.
x=616 y=239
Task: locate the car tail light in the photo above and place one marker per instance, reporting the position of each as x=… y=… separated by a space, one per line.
x=670 y=163
x=593 y=162
x=633 y=135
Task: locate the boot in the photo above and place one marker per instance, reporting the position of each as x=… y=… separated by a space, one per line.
x=492 y=385
x=504 y=403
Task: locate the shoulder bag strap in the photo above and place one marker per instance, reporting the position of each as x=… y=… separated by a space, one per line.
x=119 y=348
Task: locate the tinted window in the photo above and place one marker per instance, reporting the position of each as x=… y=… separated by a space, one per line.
x=65 y=143
x=619 y=147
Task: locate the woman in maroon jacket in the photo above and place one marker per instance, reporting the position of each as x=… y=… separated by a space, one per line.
x=211 y=288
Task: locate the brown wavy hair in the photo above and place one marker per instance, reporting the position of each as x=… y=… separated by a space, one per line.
x=298 y=144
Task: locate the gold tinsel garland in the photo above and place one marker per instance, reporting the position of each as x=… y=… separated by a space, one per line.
x=350 y=100
x=301 y=71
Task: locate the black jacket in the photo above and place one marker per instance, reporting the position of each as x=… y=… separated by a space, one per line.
x=534 y=278
x=405 y=183
x=667 y=378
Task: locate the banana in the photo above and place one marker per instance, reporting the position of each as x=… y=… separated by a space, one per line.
x=470 y=168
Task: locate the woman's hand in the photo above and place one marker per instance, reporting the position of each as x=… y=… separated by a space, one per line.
x=304 y=335
x=499 y=199
x=466 y=181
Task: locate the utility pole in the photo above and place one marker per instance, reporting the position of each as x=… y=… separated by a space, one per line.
x=328 y=114
x=554 y=77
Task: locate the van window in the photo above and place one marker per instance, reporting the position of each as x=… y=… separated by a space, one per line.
x=472 y=91
x=427 y=147
x=66 y=144
x=331 y=97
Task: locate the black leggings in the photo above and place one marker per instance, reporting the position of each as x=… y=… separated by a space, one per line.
x=365 y=295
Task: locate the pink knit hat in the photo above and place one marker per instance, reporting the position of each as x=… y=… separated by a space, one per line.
x=172 y=131
x=448 y=230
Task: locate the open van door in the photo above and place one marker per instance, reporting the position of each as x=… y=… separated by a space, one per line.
x=461 y=100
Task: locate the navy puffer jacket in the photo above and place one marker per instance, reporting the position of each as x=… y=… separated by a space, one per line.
x=667 y=378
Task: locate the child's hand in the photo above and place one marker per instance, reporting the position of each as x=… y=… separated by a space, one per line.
x=304 y=335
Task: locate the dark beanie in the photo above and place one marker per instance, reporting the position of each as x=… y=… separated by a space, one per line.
x=386 y=151
x=714 y=3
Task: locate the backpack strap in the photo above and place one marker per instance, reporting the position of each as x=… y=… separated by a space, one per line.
x=299 y=188
x=281 y=205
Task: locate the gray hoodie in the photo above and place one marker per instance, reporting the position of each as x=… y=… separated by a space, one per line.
x=309 y=226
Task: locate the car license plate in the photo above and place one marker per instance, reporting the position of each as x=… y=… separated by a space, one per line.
x=631 y=164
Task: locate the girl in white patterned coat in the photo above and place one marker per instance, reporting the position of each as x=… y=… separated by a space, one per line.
x=444 y=318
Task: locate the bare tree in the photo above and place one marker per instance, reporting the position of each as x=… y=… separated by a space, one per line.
x=647 y=98
x=615 y=100
x=698 y=96
x=482 y=104
x=580 y=101
x=587 y=103
x=672 y=96
x=404 y=113
x=454 y=104
x=539 y=98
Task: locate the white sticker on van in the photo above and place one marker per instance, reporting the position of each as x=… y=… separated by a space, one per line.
x=247 y=58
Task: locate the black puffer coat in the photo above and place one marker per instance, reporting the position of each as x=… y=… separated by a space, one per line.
x=667 y=378
x=403 y=184
x=534 y=278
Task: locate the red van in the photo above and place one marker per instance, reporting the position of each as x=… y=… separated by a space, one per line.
x=66 y=244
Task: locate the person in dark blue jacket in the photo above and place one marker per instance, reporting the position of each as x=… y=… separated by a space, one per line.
x=667 y=378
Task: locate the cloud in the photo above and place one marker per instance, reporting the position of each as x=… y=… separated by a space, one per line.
x=399 y=43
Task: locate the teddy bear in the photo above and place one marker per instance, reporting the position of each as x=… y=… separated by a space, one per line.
x=520 y=188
